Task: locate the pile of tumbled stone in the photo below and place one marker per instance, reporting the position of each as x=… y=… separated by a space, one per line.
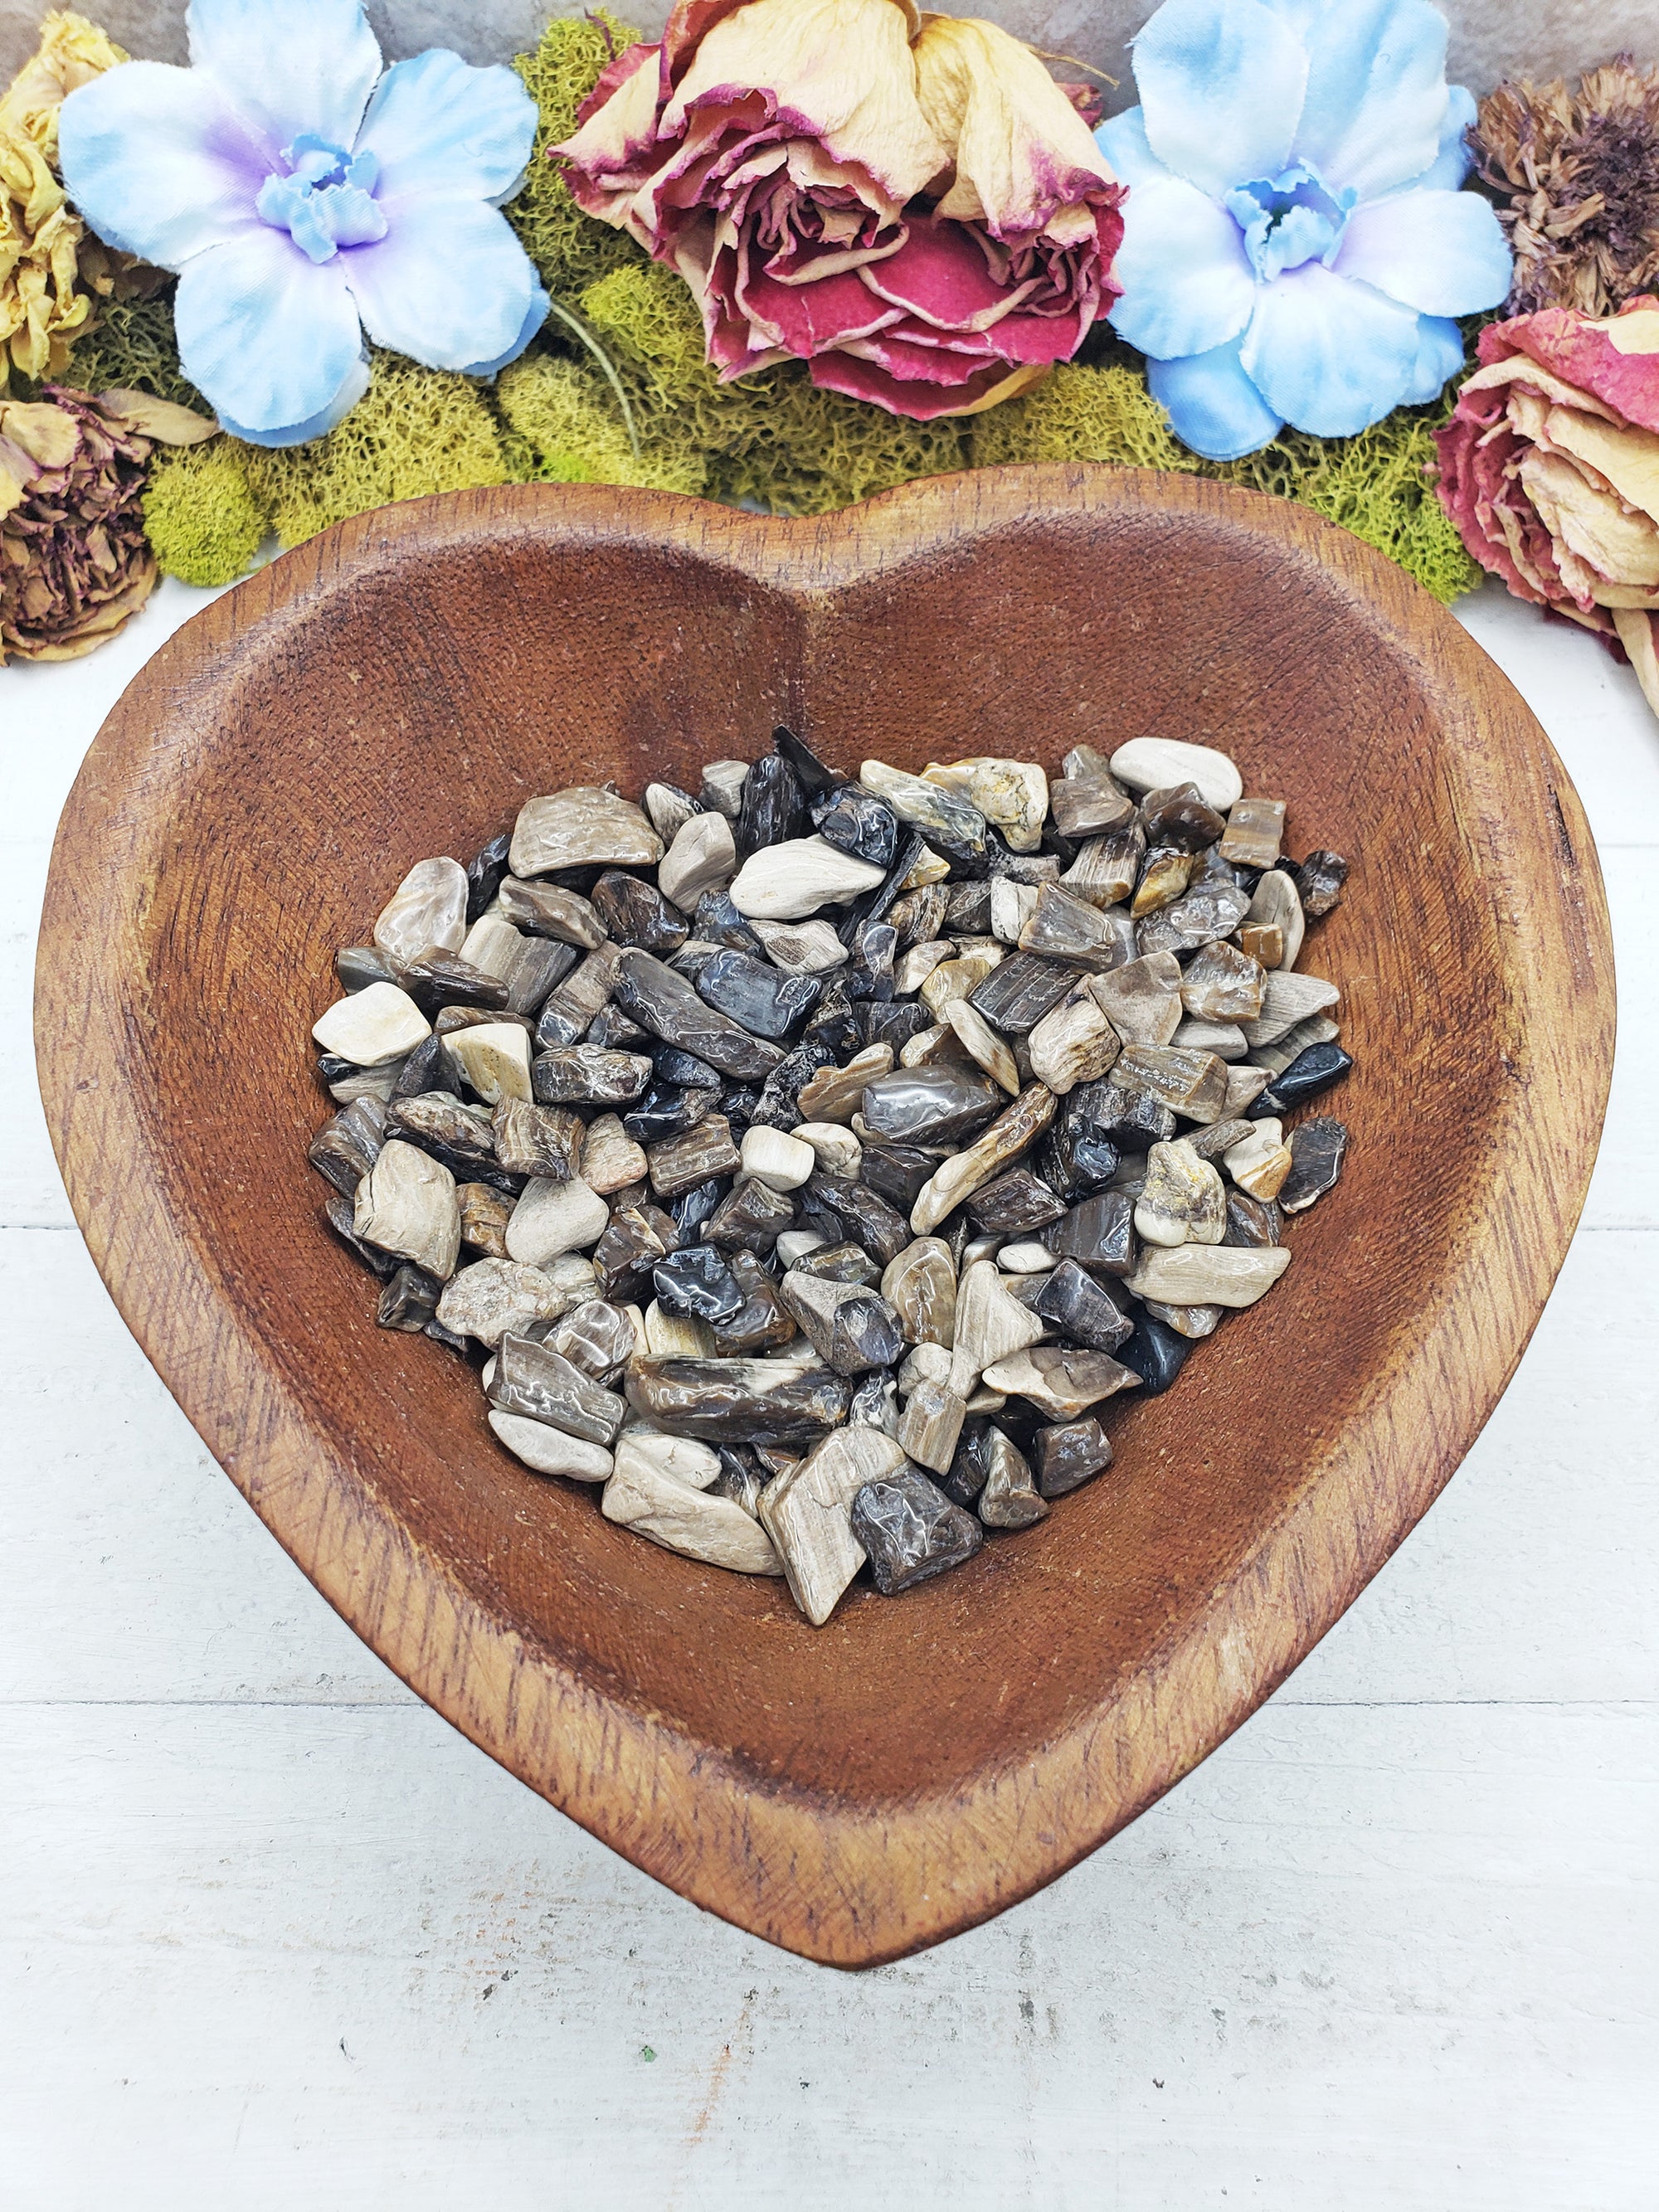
x=810 y=1160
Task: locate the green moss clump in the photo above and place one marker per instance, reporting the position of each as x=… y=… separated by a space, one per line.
x=203 y=519
x=417 y=431
x=570 y=248
x=1081 y=415
x=134 y=349
x=565 y=420
x=1379 y=485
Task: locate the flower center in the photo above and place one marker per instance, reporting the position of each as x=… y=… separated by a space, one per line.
x=326 y=199
x=1290 y=219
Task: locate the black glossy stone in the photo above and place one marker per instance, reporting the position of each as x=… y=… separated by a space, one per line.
x=814 y=775
x=1178 y=817
x=850 y=1325
x=1251 y=1221
x=970 y=1463
x=673 y=1065
x=346 y=1148
x=842 y=1263
x=945 y=1104
x=737 y=1102
x=697 y=1281
x=1156 y=1353
x=357 y=966
x=875 y=905
x=738 y=1401
x=1100 y=1232
x=717 y=921
x=461 y=1136
x=865 y=1216
x=837 y=1024
x=772 y=809
x=633 y=1240
x=338 y=1211
x=1067 y=1454
x=572 y=1005
x=1319 y=880
x=896 y=1171
x=666 y=1005
x=1020 y=990
x=444 y=978
x=1079 y=1309
x=1317 y=1148
x=742 y=1478
x=1131 y=1121
x=429 y=1067
x=752 y=1216
x=763 y=1000
x=408 y=1300
x=587 y=1075
x=667 y=1109
x=874 y=1402
x=909 y=1530
x=693 y=1209
x=777 y=1109
x=968 y=909
x=869 y=971
x=1014 y=1205
x=612 y=1032
x=1308 y=1074
x=332 y=1067
x=858 y=823
x=759 y=1323
x=484 y=872
x=634 y=912
x=890 y=1021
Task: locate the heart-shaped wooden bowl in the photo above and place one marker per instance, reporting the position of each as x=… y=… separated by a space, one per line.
x=398 y=688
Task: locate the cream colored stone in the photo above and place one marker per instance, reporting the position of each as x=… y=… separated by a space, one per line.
x=790 y=881
x=549 y=1450
x=835 y=1149
x=493 y=1299
x=580 y=827
x=801 y=948
x=1209 y=1275
x=554 y=1217
x=1155 y=763
x=676 y=1336
x=703 y=857
x=991 y=1324
x=407 y=1203
x=611 y=1159
x=427 y=909
x=372 y=1026
x=982 y=1045
x=777 y=1157
x=642 y=1497
x=807 y=1512
x=1075 y=1043
x=1013 y=794
x=495 y=1058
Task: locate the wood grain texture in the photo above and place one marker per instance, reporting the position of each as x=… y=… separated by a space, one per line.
x=398 y=688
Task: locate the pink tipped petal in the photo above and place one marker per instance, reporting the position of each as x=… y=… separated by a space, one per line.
x=921 y=403
x=1616 y=360
x=941 y=274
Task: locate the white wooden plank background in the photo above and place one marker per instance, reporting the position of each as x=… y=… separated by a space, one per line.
x=274 y=1936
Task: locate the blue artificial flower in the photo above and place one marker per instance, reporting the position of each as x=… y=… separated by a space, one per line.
x=1296 y=244
x=304 y=198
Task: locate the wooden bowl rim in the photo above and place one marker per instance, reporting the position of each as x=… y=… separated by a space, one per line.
x=850 y=1886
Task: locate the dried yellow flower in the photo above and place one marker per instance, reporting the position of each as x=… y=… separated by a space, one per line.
x=52 y=270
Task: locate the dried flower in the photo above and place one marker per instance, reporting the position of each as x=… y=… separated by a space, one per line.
x=73 y=563
x=909 y=204
x=1579 y=168
x=1550 y=468
x=50 y=271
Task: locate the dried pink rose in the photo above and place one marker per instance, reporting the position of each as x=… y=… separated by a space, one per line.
x=1550 y=470
x=909 y=204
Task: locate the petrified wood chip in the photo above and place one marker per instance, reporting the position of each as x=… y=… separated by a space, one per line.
x=1071 y=1299
x=1107 y=869
x=1320 y=879
x=723 y=786
x=982 y=1045
x=1141 y=1000
x=485 y=873
x=1014 y=1204
x=1164 y=875
x=776 y=1157
x=346 y=1148
x=1223 y=984
x=675 y=1335
x=1059 y=1380
x=750 y=1218
x=438 y=979
x=549 y=1450
x=1209 y=1275
x=491 y=945
x=1100 y=1232
x=596 y=1337
x=778 y=1400
x=538 y=1140
x=909 y=1530
x=1020 y=990
x=494 y=1057
x=581 y=827
x=408 y=1300
x=1074 y=1043
x=1176 y=816
x=1317 y=1029
x=697 y=1282
x=1245 y=1085
x=1317 y=1150
x=990 y=1323
x=1069 y=1454
x=807 y=1512
x=1012 y=905
x=741 y=1479
x=1063 y=927
x=759 y=1323
x=357 y=966
x=1025 y=1256
x=1008 y=1498
x=958 y=978
x=554 y=1218
x=370 y=1027
x=702 y=858
x=938 y=1105
x=1195 y=1322
x=1155 y=763
x=1254 y=829
x=1192 y=1084
x=407 y=1203
x=1264 y=942
x=801 y=948
x=1290 y=997
x=836 y=1094
x=697 y=1155
x=484 y=1215
x=1310 y=1072
x=920 y=1286
x=698 y=1523
x=791 y=881
x=951 y=821
x=1217 y=1140
x=668 y=809
x=667 y=1005
x=1252 y=1222
x=494 y=1296
x=1008 y=1136
x=930 y=1424
x=610 y=1159
x=1260 y=1162
x=927 y=1363
x=636 y=912
x=550 y=911
x=1013 y=795
x=774 y=808
x=852 y=1327
x=588 y=1075
x=428 y=909
x=1224 y=1039
x=666 y=1110
x=538 y=966
x=532 y=1379
x=760 y=998
x=835 y=1149
x=1088 y=806
x=570 y=1006
x=1182 y=1201
x=855 y=821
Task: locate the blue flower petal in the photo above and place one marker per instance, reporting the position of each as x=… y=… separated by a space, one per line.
x=294 y=66
x=436 y=125
x=158 y=163
x=1188 y=285
x=1332 y=356
x=1440 y=355
x=266 y=336
x=1452 y=164
x=1443 y=253
x=1212 y=404
x=448 y=285
x=315 y=426
x=1377 y=99
x=1122 y=140
x=1221 y=84
x=536 y=316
